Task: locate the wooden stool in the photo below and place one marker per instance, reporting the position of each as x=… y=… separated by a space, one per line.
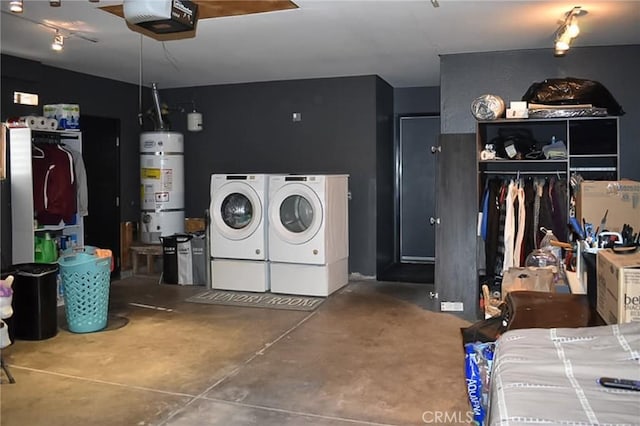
x=148 y=250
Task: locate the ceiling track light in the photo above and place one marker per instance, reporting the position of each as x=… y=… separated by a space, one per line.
x=16 y=6
x=58 y=42
x=567 y=31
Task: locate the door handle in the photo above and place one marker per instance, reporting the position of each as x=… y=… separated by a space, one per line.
x=434 y=220
x=435 y=149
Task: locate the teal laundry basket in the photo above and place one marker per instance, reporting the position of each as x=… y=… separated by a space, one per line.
x=86 y=279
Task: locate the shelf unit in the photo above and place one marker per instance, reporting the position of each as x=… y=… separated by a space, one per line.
x=23 y=227
x=592 y=146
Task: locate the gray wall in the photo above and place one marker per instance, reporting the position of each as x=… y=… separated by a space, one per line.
x=384 y=221
x=509 y=74
x=248 y=128
x=416 y=100
x=345 y=128
x=96 y=96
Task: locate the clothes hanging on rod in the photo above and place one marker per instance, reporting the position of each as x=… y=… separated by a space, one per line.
x=513 y=211
x=54 y=185
x=510 y=226
x=81 y=182
x=520 y=220
x=36 y=152
x=528 y=243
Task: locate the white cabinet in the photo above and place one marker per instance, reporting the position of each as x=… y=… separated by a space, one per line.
x=24 y=227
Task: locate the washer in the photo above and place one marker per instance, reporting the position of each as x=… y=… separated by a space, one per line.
x=238 y=232
x=308 y=234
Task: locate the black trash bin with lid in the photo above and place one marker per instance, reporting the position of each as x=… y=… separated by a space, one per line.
x=35 y=303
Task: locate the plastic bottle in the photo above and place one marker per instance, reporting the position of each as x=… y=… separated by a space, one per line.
x=548 y=237
x=546 y=245
x=49 y=252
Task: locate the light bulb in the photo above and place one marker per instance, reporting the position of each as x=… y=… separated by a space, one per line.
x=561 y=48
x=15 y=6
x=573 y=29
x=58 y=42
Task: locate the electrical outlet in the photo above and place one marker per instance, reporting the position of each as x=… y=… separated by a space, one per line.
x=451 y=306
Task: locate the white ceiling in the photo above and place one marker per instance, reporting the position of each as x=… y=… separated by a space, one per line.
x=400 y=40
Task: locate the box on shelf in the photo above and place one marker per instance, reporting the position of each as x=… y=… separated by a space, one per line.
x=618 y=200
x=194 y=224
x=517 y=109
x=68 y=115
x=618 y=286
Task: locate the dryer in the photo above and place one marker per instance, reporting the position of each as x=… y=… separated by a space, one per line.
x=308 y=234
x=238 y=232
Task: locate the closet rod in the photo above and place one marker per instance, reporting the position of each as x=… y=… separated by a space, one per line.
x=47 y=139
x=496 y=172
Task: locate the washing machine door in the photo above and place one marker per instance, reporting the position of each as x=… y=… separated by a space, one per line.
x=236 y=210
x=296 y=213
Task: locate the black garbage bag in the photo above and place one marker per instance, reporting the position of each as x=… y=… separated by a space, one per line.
x=572 y=91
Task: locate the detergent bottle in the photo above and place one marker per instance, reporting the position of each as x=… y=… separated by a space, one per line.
x=38 y=243
x=49 y=249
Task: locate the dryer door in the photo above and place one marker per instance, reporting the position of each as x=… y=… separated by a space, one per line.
x=236 y=211
x=296 y=213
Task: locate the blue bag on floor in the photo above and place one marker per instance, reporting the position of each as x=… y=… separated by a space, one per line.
x=478 y=359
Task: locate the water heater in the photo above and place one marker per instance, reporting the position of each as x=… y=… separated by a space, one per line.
x=161 y=185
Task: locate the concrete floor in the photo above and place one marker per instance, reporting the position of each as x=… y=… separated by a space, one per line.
x=370 y=354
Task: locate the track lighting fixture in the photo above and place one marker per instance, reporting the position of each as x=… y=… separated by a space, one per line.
x=58 y=42
x=60 y=33
x=15 y=6
x=567 y=31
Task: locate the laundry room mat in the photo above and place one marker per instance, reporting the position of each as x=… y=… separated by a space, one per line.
x=257 y=300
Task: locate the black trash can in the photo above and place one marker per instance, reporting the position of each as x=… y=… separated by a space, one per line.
x=35 y=303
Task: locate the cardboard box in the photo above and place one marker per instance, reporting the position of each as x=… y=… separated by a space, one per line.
x=194 y=224
x=620 y=198
x=68 y=115
x=618 y=286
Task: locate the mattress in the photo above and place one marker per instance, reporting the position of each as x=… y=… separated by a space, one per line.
x=549 y=376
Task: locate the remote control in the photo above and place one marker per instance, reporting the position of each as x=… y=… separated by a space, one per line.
x=620 y=383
